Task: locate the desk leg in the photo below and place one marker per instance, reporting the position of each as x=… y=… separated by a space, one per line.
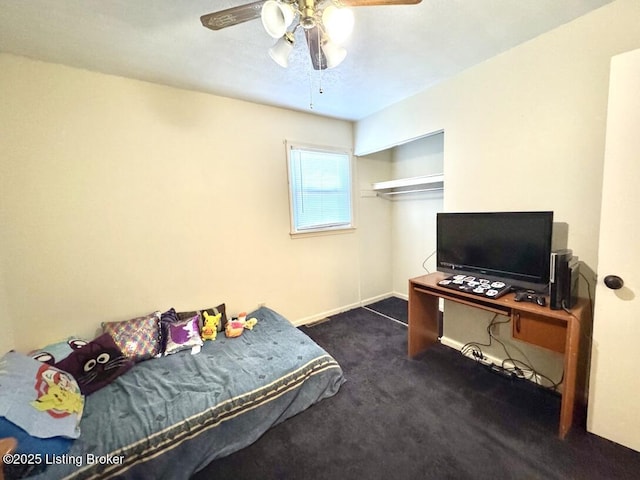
x=570 y=372
x=423 y=321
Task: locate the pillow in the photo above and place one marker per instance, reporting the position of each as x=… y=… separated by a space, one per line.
x=138 y=338
x=42 y=400
x=170 y=316
x=211 y=311
x=97 y=364
x=183 y=335
x=57 y=351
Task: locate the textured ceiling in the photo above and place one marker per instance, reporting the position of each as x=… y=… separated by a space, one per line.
x=394 y=52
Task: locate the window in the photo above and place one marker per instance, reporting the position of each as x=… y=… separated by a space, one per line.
x=319 y=189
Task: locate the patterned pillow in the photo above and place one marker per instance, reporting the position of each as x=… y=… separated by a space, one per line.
x=96 y=365
x=138 y=338
x=40 y=399
x=183 y=335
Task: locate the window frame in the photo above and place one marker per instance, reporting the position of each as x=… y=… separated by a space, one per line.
x=321 y=229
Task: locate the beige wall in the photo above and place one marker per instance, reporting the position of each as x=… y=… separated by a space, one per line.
x=524 y=130
x=120 y=197
x=409 y=218
x=374 y=221
x=6 y=325
x=414 y=215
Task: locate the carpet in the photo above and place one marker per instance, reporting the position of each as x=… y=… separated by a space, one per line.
x=392 y=307
x=439 y=416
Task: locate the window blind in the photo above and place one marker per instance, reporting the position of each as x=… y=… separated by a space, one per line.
x=320 y=183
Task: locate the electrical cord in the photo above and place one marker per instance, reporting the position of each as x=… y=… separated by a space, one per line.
x=591 y=306
x=475 y=348
x=586 y=280
x=425 y=261
x=534 y=375
x=586 y=332
x=504 y=347
x=519 y=368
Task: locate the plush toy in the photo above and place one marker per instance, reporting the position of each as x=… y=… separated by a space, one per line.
x=236 y=326
x=210 y=327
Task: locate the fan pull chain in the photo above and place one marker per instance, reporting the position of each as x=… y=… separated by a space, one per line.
x=321 y=63
x=320 y=89
x=320 y=57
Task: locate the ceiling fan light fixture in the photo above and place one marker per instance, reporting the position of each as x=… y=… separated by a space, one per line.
x=333 y=53
x=282 y=49
x=276 y=17
x=338 y=23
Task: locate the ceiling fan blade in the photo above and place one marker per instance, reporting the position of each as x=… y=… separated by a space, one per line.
x=318 y=60
x=232 y=16
x=371 y=3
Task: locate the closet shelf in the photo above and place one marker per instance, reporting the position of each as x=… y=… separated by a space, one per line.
x=423 y=183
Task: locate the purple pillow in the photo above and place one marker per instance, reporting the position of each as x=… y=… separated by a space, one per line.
x=183 y=335
x=96 y=364
x=170 y=316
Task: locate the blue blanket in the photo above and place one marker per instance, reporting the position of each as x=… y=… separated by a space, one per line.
x=170 y=417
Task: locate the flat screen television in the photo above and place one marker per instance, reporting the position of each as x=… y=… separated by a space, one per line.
x=512 y=247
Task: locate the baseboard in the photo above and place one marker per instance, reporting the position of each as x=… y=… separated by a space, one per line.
x=367 y=301
x=403 y=296
x=319 y=316
x=449 y=342
x=377 y=298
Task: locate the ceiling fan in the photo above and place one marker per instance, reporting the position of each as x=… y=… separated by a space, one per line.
x=326 y=23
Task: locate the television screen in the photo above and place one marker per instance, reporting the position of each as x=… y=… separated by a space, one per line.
x=513 y=247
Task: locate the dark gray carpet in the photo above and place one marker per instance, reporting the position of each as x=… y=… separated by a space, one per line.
x=440 y=416
x=393 y=307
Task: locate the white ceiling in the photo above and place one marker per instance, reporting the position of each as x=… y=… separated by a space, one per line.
x=394 y=52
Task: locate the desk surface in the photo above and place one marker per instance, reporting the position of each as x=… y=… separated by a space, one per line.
x=504 y=304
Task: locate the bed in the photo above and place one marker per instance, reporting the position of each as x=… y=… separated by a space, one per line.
x=169 y=417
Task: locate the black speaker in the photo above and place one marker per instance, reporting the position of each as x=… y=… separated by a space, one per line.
x=563 y=282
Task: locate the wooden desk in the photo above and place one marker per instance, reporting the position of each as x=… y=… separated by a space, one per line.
x=556 y=330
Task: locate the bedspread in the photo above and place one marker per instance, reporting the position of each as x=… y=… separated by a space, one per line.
x=169 y=417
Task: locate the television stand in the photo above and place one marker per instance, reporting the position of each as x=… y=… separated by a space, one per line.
x=555 y=330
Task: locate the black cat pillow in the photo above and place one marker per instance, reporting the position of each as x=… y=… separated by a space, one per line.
x=96 y=364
